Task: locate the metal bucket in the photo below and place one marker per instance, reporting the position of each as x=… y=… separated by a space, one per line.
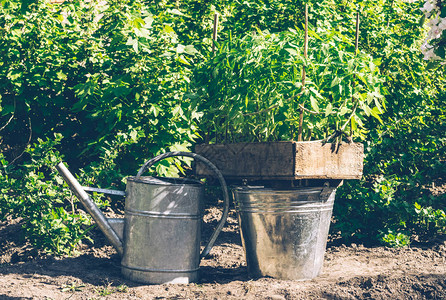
x=162 y=230
x=284 y=232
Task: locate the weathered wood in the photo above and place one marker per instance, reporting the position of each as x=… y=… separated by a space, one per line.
x=317 y=161
x=283 y=160
x=249 y=159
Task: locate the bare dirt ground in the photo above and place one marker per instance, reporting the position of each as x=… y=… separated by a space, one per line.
x=352 y=272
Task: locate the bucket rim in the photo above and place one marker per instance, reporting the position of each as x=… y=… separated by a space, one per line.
x=262 y=189
x=166 y=181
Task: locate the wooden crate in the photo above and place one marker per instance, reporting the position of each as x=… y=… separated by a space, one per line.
x=283 y=160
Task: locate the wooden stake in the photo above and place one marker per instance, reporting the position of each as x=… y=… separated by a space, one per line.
x=388 y=17
x=301 y=116
x=356 y=51
x=357 y=32
x=214 y=39
x=214 y=35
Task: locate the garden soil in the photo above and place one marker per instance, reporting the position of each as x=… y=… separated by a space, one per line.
x=349 y=272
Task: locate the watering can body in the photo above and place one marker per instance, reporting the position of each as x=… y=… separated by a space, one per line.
x=162 y=236
x=159 y=237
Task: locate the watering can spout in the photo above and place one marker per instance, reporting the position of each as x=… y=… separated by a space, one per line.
x=91 y=208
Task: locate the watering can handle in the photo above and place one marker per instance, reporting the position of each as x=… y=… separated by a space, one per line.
x=222 y=221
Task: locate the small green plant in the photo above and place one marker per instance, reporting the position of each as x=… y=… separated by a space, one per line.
x=72 y=287
x=252 y=88
x=395 y=239
x=122 y=288
x=432 y=220
x=108 y=289
x=104 y=291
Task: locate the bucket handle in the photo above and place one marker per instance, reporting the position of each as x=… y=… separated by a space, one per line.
x=222 y=181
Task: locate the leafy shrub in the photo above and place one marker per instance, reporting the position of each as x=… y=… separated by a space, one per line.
x=48 y=210
x=405 y=154
x=110 y=78
x=396 y=239
x=272 y=15
x=432 y=220
x=399 y=202
x=92 y=70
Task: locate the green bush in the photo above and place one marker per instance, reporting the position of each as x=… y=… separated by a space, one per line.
x=109 y=79
x=396 y=197
x=92 y=71
x=406 y=154
x=34 y=193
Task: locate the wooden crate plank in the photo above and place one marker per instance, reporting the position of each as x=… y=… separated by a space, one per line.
x=283 y=160
x=246 y=160
x=318 y=161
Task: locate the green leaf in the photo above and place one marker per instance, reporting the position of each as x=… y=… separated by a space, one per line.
x=314 y=34
x=350 y=65
x=177 y=111
x=175 y=12
x=362 y=79
x=344 y=110
x=61 y=76
x=14 y=74
x=366 y=109
x=143 y=32
x=148 y=21
x=375 y=113
x=377 y=61
x=292 y=51
x=316 y=93
x=328 y=109
x=354 y=124
x=133 y=135
x=169 y=30
x=190 y=49
x=314 y=103
x=135 y=46
x=183 y=60
x=180 y=48
x=132 y=42
x=358 y=120
x=336 y=81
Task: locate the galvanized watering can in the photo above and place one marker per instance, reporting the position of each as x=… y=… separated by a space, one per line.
x=159 y=237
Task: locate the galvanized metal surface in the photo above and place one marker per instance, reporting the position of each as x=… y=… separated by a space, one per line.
x=284 y=232
x=162 y=230
x=118 y=226
x=220 y=178
x=104 y=191
x=162 y=224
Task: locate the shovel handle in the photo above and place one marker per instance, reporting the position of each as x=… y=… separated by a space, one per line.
x=222 y=181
